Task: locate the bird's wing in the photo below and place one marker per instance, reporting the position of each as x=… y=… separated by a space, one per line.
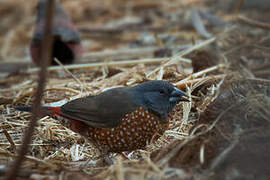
x=103 y=111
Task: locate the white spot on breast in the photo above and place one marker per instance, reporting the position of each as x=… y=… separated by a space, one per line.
x=121 y=133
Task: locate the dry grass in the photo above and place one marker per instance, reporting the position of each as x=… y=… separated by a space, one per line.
x=56 y=152
x=56 y=147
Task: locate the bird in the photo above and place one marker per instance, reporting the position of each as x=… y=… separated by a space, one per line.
x=66 y=45
x=120 y=119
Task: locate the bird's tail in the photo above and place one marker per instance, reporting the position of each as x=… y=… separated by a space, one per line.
x=45 y=111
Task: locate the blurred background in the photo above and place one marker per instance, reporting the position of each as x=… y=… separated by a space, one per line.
x=116 y=24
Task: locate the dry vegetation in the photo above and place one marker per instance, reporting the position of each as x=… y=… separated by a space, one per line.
x=127 y=43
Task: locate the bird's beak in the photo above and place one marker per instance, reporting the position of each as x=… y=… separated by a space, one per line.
x=178 y=95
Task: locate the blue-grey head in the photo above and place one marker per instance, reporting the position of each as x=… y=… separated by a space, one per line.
x=159 y=96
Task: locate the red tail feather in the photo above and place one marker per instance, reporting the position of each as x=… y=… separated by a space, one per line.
x=53 y=110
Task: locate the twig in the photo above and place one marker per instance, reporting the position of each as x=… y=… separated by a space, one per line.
x=118 y=30
x=261 y=81
x=94 y=31
x=201 y=73
x=82 y=85
x=179 y=56
x=262 y=73
x=182 y=84
x=261 y=66
x=253 y=22
x=94 y=65
x=119 y=54
x=10 y=140
x=90 y=57
x=45 y=56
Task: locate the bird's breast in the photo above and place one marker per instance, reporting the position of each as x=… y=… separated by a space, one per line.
x=135 y=131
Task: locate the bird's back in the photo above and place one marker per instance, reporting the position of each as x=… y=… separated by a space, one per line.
x=104 y=110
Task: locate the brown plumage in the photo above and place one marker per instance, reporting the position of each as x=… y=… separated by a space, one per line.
x=120 y=119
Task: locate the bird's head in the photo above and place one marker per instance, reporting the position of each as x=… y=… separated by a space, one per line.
x=160 y=97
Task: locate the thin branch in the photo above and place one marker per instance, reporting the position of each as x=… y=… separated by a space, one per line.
x=119 y=54
x=82 y=85
x=179 y=56
x=114 y=63
x=10 y=140
x=261 y=81
x=182 y=84
x=45 y=56
x=201 y=73
x=253 y=22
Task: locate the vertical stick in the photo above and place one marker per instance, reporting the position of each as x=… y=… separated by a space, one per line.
x=45 y=57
